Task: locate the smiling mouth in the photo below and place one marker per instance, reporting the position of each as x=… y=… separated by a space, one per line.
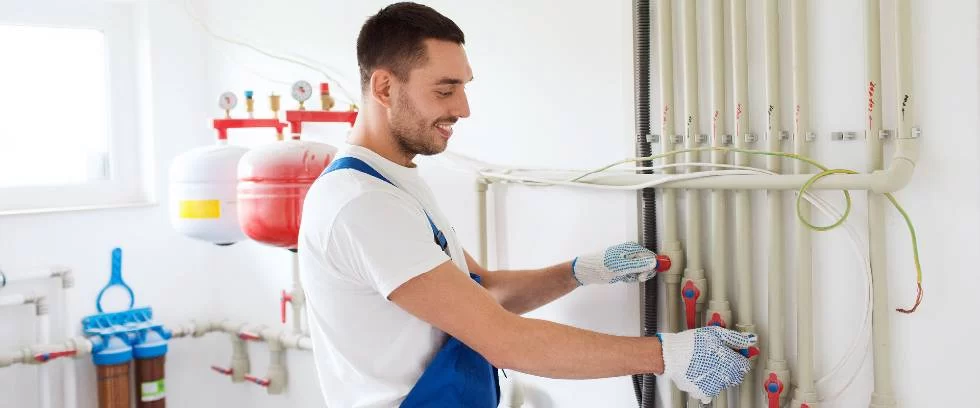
x=446 y=129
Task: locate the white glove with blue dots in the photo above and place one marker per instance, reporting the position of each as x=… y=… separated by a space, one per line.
x=702 y=362
x=627 y=262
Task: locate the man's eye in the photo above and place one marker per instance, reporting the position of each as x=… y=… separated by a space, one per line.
x=444 y=94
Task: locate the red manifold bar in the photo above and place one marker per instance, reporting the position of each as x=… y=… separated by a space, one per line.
x=297 y=117
x=222 y=125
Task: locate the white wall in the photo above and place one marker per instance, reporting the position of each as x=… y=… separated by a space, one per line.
x=550 y=91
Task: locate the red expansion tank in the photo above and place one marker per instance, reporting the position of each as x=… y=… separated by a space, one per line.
x=272 y=183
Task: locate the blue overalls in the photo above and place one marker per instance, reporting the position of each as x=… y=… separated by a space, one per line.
x=458 y=376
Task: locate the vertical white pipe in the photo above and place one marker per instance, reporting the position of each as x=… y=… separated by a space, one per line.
x=68 y=375
x=694 y=273
x=748 y=395
x=806 y=385
x=43 y=370
x=481 y=226
x=719 y=310
x=777 y=366
x=299 y=298
x=671 y=245
x=883 y=395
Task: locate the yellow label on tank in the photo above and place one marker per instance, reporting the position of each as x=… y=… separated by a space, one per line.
x=199 y=209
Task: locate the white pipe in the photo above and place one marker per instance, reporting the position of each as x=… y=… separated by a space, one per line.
x=806 y=385
x=694 y=273
x=13 y=300
x=891 y=180
x=776 y=364
x=481 y=222
x=298 y=301
x=80 y=345
x=719 y=310
x=883 y=395
x=671 y=245
x=70 y=399
x=743 y=210
x=7 y=277
x=43 y=374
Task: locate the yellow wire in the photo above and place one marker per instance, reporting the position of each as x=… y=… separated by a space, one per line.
x=799 y=199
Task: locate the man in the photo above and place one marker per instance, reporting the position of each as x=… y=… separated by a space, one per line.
x=400 y=314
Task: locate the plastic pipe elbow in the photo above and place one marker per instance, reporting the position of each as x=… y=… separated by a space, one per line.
x=900 y=171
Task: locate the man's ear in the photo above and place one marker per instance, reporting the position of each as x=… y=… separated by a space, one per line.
x=381 y=81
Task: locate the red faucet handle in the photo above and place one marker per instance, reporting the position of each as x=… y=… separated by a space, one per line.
x=773 y=388
x=45 y=357
x=690 y=293
x=221 y=370
x=663 y=263
x=260 y=381
x=285 y=298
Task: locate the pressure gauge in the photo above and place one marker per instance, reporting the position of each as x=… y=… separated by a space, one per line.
x=302 y=91
x=228 y=101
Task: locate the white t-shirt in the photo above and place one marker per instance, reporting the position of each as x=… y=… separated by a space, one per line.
x=360 y=239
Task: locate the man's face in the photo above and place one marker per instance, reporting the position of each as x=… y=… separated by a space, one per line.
x=424 y=108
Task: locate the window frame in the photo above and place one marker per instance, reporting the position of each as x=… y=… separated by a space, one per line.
x=128 y=182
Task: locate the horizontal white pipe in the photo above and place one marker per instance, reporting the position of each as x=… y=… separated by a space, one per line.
x=80 y=345
x=888 y=181
x=13 y=300
x=8 y=277
x=264 y=334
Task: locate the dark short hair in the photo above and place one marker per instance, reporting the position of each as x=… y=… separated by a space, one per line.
x=393 y=39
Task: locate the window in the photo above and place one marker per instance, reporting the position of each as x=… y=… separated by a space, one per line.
x=69 y=125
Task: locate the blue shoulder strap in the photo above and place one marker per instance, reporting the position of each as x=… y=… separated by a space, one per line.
x=354 y=163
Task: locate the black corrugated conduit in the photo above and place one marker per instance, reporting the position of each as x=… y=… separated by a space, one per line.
x=645 y=386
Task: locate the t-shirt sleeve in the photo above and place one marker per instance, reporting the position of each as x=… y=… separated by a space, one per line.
x=386 y=240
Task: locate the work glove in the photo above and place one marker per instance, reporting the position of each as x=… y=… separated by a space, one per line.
x=627 y=262
x=704 y=361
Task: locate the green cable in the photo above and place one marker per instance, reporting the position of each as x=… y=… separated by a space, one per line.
x=799 y=198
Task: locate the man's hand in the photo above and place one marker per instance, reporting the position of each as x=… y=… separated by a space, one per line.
x=627 y=262
x=702 y=362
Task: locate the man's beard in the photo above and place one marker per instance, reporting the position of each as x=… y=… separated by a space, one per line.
x=411 y=132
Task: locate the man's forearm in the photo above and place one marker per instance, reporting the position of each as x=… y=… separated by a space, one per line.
x=523 y=291
x=554 y=350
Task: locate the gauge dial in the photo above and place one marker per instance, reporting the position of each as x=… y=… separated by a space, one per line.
x=302 y=91
x=228 y=101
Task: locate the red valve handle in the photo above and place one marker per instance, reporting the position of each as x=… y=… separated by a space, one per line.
x=690 y=293
x=282 y=304
x=805 y=405
x=221 y=370
x=773 y=387
x=45 y=357
x=260 y=381
x=249 y=336
x=750 y=353
x=716 y=320
x=663 y=263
